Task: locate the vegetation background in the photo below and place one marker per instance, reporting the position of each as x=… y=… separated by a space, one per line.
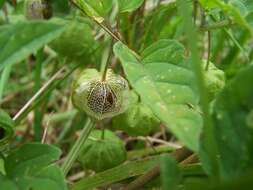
x=189 y=122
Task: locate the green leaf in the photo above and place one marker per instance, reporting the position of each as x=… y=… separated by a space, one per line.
x=102 y=7
x=170 y=173
x=236 y=9
x=6 y=127
x=167 y=85
x=17 y=41
x=30 y=167
x=29 y=159
x=243 y=183
x=2 y=3
x=87 y=7
x=6 y=183
x=234 y=136
x=129 y=5
x=118 y=173
x=50 y=178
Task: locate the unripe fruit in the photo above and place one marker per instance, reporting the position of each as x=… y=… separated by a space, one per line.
x=76 y=43
x=100 y=99
x=101 y=154
x=138 y=120
x=37 y=9
x=214 y=78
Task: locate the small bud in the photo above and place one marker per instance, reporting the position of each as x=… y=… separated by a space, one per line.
x=100 y=99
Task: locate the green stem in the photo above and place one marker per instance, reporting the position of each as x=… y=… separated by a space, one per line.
x=209 y=145
x=109 y=54
x=208 y=50
x=92 y=14
x=77 y=147
x=38 y=115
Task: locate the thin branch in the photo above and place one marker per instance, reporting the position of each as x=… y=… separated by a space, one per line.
x=77 y=147
x=39 y=93
x=102 y=24
x=108 y=60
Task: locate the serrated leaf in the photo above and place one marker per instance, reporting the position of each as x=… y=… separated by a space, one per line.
x=17 y=41
x=166 y=84
x=29 y=159
x=129 y=5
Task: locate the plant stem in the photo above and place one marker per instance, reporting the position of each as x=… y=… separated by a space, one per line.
x=208 y=143
x=77 y=147
x=107 y=60
x=208 y=49
x=37 y=82
x=100 y=21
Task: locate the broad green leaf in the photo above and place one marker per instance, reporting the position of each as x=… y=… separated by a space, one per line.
x=170 y=173
x=29 y=159
x=234 y=136
x=129 y=5
x=30 y=167
x=17 y=41
x=50 y=178
x=102 y=7
x=167 y=85
x=6 y=183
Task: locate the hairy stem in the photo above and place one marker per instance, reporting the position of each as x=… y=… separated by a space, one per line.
x=110 y=48
x=77 y=147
